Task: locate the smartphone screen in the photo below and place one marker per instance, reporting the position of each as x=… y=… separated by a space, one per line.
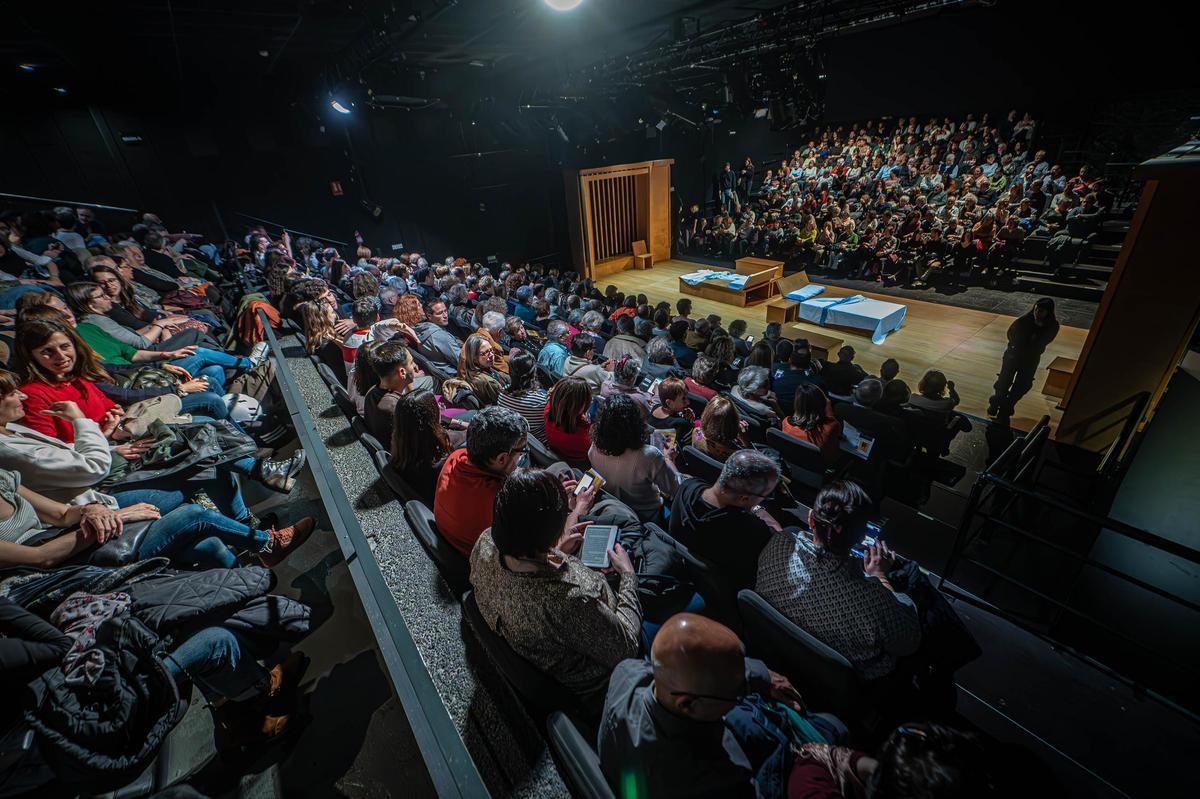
x=654 y=386
x=590 y=478
x=598 y=539
x=749 y=339
x=872 y=536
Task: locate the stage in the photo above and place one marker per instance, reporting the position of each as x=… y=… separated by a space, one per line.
x=965 y=343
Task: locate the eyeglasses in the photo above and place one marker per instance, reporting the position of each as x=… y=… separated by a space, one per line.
x=711 y=697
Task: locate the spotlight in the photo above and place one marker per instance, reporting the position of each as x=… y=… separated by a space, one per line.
x=563 y=5
x=61 y=91
x=27 y=67
x=337 y=106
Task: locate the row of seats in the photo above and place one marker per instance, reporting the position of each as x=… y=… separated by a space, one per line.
x=767 y=632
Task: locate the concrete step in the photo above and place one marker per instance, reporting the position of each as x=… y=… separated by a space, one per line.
x=1086 y=289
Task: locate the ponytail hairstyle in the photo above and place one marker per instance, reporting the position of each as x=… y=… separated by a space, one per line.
x=839 y=516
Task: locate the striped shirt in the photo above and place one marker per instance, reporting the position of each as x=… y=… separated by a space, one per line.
x=531 y=405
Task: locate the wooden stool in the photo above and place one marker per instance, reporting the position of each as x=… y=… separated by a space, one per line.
x=822 y=346
x=783 y=311
x=641 y=258
x=1059 y=375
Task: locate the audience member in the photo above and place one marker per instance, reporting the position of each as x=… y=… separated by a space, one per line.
x=467 y=484
x=524 y=395
x=533 y=590
x=725 y=523
x=635 y=472
x=566 y=417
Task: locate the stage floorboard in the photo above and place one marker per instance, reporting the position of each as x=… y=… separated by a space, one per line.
x=964 y=343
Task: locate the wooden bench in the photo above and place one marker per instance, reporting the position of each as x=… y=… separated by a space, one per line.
x=783 y=311
x=823 y=347
x=1058 y=376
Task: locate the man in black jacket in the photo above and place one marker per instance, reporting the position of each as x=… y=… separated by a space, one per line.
x=725 y=523
x=1028 y=337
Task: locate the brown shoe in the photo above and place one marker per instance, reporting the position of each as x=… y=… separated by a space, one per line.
x=283 y=542
x=257 y=721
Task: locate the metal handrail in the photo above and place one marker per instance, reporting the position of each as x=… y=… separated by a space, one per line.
x=451 y=769
x=261 y=221
x=70 y=203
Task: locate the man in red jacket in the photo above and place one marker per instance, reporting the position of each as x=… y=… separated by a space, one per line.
x=470 y=477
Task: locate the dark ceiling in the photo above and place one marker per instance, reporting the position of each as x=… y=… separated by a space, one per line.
x=190 y=53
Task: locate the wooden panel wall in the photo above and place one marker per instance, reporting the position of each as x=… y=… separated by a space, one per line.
x=609 y=208
x=614 y=215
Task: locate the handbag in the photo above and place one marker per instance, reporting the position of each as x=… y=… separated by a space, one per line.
x=146 y=377
x=140 y=415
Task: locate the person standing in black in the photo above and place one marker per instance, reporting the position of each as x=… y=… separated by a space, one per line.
x=1028 y=337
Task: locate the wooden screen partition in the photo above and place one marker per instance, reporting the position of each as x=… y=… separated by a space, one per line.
x=609 y=208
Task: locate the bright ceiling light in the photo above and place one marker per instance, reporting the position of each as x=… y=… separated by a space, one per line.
x=563 y=5
x=337 y=106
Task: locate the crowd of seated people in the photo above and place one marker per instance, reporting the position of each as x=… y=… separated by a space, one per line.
x=906 y=203
x=126 y=351
x=618 y=387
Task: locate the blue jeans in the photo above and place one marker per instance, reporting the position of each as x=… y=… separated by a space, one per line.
x=214 y=660
x=211 y=364
x=208 y=404
x=192 y=535
x=169 y=493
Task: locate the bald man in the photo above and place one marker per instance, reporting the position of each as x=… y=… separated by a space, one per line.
x=662 y=733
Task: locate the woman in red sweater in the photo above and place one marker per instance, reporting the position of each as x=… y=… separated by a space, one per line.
x=58 y=367
x=813 y=421
x=568 y=431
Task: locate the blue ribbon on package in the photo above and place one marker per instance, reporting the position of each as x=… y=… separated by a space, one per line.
x=835 y=303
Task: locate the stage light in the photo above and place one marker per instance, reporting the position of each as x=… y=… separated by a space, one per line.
x=61 y=91
x=563 y=5
x=337 y=106
x=27 y=67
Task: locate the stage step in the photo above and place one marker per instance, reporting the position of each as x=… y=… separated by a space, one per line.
x=1037 y=266
x=1085 y=289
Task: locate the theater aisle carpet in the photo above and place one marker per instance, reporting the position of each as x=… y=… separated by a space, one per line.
x=965 y=343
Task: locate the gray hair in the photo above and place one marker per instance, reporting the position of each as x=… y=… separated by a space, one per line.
x=659 y=351
x=493 y=322
x=557 y=330
x=644 y=329
x=752 y=379
x=868 y=392
x=626 y=372
x=551 y=296
x=593 y=320
x=457 y=294
x=748 y=471
x=494 y=431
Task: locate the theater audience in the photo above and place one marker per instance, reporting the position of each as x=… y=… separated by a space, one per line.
x=625 y=344
x=533 y=591
x=722 y=429
x=393 y=366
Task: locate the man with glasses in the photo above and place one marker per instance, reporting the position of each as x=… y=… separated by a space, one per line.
x=663 y=732
x=497 y=443
x=725 y=523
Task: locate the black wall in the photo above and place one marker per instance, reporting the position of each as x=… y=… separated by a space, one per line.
x=269 y=158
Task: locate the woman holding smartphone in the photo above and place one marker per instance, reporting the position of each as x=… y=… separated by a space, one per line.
x=534 y=591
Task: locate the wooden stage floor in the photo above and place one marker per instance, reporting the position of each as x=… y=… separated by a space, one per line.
x=964 y=343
